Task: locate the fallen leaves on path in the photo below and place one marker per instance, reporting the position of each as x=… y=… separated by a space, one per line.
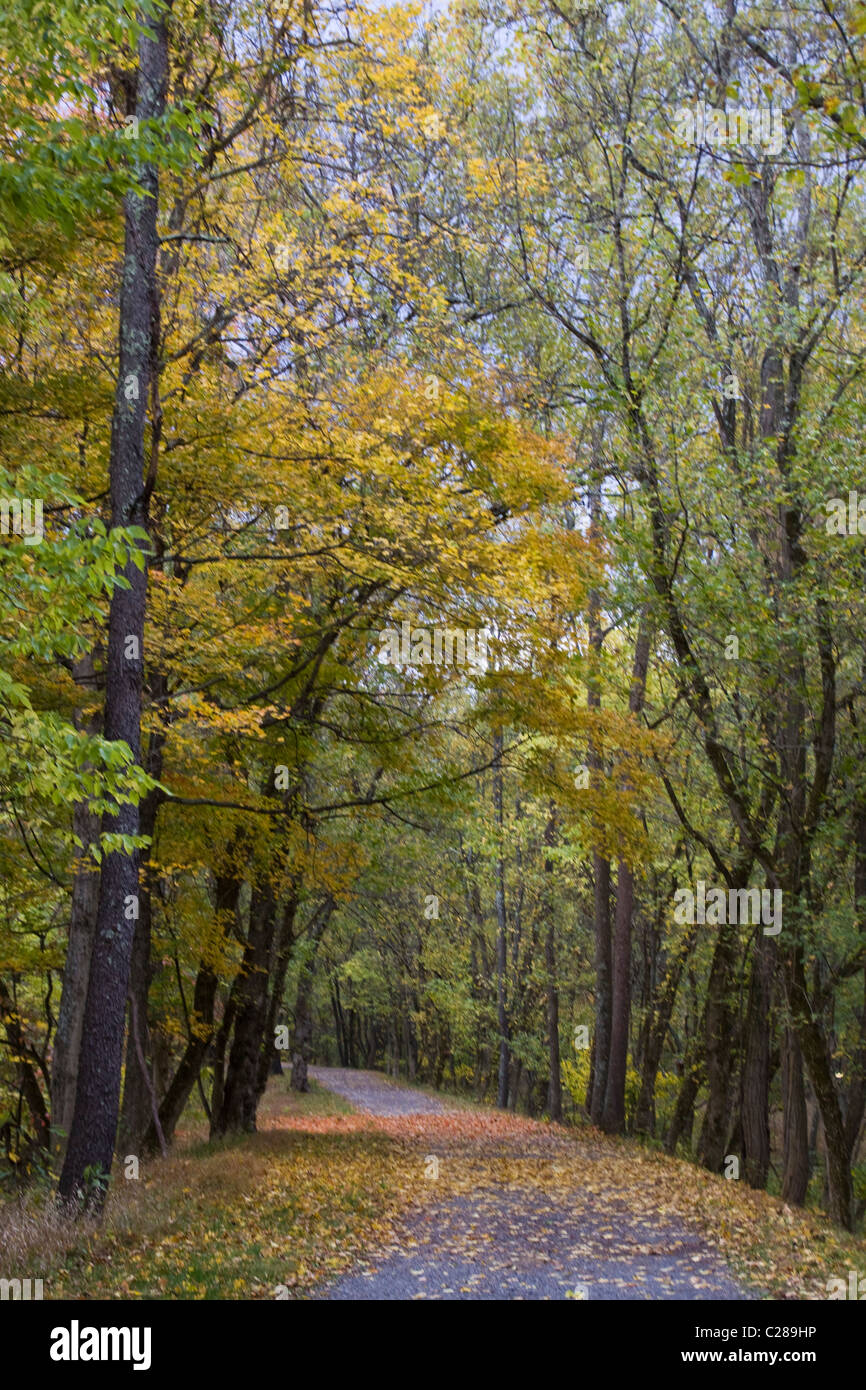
x=584 y=1176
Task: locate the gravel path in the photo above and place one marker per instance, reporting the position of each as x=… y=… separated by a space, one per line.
x=513 y=1238
x=376 y=1094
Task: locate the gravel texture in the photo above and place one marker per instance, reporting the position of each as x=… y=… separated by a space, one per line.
x=376 y=1094
x=515 y=1240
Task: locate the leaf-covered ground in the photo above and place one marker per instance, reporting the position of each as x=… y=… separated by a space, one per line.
x=521 y=1209
x=463 y=1203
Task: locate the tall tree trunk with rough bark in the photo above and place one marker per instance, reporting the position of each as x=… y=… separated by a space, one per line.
x=136 y=1114
x=755 y=1096
x=94 y=1123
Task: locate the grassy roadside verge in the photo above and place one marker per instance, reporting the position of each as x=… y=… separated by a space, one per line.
x=261 y=1216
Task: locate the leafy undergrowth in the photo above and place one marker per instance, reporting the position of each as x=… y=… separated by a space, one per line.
x=319 y=1186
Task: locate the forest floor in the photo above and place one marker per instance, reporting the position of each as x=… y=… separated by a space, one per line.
x=374 y=1190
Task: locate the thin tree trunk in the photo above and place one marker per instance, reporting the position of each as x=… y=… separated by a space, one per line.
x=682 y=1119
x=554 y=1081
x=603 y=989
x=856 y=1099
x=25 y=1057
x=813 y=1044
x=659 y=1023
x=270 y=1062
x=302 y=1038
x=340 y=1022
x=190 y=1064
x=200 y=1024
x=795 y=1134
x=240 y=1098
x=694 y=1075
x=501 y=931
x=613 y=1112
x=219 y=1057
x=600 y=1054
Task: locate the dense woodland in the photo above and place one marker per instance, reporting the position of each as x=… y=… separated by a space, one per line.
x=433 y=558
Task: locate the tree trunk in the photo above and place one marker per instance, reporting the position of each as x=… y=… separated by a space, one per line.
x=340 y=1022
x=554 y=1082
x=613 y=1112
x=603 y=989
x=683 y=1117
x=813 y=1044
x=94 y=1123
x=755 y=1101
x=282 y=955
x=200 y=1024
x=856 y=1098
x=600 y=1054
x=694 y=1075
x=25 y=1057
x=501 y=931
x=136 y=1115
x=237 y=1114
x=76 y=971
x=656 y=1033
x=717 y=1053
x=795 y=1159
x=219 y=1057
x=302 y=1038
x=190 y=1064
